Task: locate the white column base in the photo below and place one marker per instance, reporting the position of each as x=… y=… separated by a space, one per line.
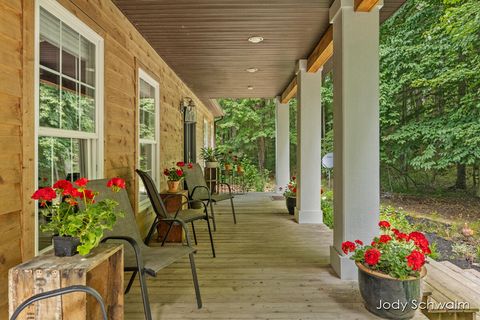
x=342 y=265
x=308 y=216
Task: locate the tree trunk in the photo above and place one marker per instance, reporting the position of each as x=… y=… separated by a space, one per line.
x=261 y=153
x=461 y=182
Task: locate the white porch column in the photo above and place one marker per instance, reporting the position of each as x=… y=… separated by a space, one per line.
x=309 y=134
x=282 y=145
x=356 y=133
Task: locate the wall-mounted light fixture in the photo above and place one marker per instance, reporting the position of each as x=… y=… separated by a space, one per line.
x=189 y=110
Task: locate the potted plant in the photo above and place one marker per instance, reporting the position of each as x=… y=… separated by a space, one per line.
x=210 y=156
x=75 y=228
x=227 y=160
x=290 y=195
x=390 y=271
x=175 y=175
x=237 y=160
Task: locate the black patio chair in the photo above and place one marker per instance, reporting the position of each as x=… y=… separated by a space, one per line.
x=187 y=215
x=138 y=257
x=59 y=292
x=198 y=190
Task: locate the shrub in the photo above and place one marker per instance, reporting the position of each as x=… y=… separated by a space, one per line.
x=327 y=208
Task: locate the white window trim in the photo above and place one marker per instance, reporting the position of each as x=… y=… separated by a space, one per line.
x=206 y=133
x=143 y=75
x=74 y=22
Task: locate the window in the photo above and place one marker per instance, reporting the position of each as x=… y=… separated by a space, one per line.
x=205 y=133
x=148 y=115
x=69 y=100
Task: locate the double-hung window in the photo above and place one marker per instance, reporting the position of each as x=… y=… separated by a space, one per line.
x=69 y=99
x=148 y=115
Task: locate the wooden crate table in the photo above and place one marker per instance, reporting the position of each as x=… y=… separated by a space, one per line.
x=102 y=270
x=172 y=202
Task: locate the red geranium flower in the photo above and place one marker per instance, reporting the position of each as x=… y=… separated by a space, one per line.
x=373 y=244
x=348 y=246
x=190 y=165
x=294 y=178
x=62 y=184
x=294 y=190
x=360 y=242
x=395 y=231
x=116 y=182
x=402 y=236
x=420 y=241
x=166 y=172
x=416 y=260
x=73 y=192
x=179 y=172
x=372 y=256
x=88 y=194
x=82 y=182
x=44 y=194
x=181 y=164
x=385 y=238
x=384 y=224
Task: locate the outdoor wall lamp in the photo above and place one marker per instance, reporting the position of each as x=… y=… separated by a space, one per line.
x=189 y=110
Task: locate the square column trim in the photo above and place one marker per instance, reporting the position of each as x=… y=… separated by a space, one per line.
x=343 y=4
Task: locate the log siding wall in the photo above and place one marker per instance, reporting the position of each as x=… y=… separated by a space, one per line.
x=125 y=50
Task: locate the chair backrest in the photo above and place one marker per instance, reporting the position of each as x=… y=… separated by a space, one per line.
x=153 y=194
x=193 y=178
x=126 y=226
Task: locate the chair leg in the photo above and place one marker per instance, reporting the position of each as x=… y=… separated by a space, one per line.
x=211 y=237
x=168 y=232
x=195 y=281
x=143 y=288
x=233 y=210
x=212 y=213
x=194 y=234
x=130 y=282
x=151 y=231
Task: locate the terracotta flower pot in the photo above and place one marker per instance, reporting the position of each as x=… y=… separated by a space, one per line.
x=388 y=297
x=291 y=204
x=173 y=186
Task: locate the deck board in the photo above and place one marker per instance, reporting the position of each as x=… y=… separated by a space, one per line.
x=267 y=267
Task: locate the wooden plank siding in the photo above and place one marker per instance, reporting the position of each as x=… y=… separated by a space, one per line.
x=124 y=51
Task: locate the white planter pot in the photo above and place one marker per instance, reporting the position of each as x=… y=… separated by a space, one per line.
x=212 y=164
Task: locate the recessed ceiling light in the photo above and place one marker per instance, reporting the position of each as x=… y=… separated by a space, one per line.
x=251 y=70
x=250 y=87
x=255 y=39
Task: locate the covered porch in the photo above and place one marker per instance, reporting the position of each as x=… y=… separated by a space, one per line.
x=267 y=267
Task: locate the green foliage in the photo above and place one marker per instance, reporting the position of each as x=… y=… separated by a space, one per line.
x=430 y=80
x=209 y=154
x=86 y=224
x=254 y=179
x=327 y=208
x=397 y=218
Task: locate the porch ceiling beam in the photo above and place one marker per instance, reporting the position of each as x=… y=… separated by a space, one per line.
x=322 y=52
x=319 y=56
x=365 y=5
x=290 y=91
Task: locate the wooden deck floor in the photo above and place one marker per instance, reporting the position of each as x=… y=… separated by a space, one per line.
x=267 y=267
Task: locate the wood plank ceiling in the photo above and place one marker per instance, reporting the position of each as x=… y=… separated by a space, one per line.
x=205 y=41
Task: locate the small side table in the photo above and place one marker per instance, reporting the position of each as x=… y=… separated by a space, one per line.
x=101 y=269
x=172 y=201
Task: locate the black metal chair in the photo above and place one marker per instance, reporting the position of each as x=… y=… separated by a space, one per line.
x=186 y=215
x=140 y=258
x=198 y=190
x=59 y=292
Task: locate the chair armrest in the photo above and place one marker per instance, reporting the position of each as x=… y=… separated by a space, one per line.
x=133 y=243
x=184 y=226
x=228 y=186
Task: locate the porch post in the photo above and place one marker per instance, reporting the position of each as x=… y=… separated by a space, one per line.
x=356 y=123
x=282 y=145
x=309 y=134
